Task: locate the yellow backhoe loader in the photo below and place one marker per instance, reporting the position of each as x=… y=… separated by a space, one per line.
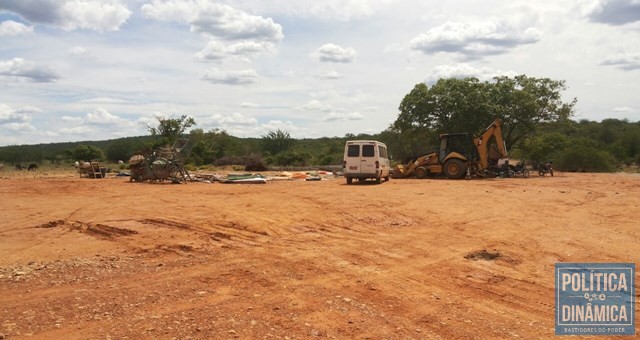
x=460 y=155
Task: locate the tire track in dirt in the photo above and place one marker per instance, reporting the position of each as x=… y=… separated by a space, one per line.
x=98 y=230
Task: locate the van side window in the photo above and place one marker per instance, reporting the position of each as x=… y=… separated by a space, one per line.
x=382 y=151
x=353 y=151
x=368 y=151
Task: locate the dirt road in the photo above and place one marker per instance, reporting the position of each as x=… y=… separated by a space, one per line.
x=85 y=258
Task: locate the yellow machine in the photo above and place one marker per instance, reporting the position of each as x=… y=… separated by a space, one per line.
x=460 y=155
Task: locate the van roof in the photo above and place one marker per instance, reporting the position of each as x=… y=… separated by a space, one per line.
x=364 y=142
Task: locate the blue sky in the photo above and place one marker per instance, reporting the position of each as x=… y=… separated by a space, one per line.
x=73 y=70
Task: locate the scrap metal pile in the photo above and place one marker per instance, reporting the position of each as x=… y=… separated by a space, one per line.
x=165 y=163
x=90 y=170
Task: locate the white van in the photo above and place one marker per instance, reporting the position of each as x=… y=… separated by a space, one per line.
x=365 y=159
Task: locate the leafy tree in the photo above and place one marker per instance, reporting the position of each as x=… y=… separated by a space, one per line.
x=278 y=141
x=120 y=149
x=290 y=158
x=411 y=143
x=468 y=105
x=630 y=141
x=584 y=159
x=208 y=146
x=524 y=103
x=543 y=147
x=84 y=152
x=169 y=130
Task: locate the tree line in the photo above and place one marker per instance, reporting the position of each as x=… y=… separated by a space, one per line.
x=538 y=126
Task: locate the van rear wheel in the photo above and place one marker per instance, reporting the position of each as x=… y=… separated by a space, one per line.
x=349 y=180
x=378 y=179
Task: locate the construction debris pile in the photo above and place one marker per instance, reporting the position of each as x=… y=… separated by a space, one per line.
x=91 y=170
x=255 y=178
x=166 y=163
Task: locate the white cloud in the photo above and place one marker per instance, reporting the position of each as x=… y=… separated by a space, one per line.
x=241 y=77
x=231 y=120
x=105 y=121
x=218 y=20
x=19 y=127
x=347 y=9
x=98 y=15
x=216 y=50
x=69 y=119
x=330 y=75
x=101 y=116
x=474 y=40
x=77 y=130
x=343 y=116
x=239 y=124
x=249 y=104
x=105 y=100
x=287 y=125
x=394 y=48
x=335 y=53
x=9 y=115
x=625 y=61
x=328 y=10
x=12 y=28
x=314 y=105
x=463 y=71
x=28 y=109
x=153 y=118
x=77 y=51
x=623 y=110
x=342 y=97
x=23 y=69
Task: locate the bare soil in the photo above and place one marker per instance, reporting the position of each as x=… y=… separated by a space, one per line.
x=96 y=259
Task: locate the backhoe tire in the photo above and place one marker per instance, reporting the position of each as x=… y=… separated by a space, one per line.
x=421 y=172
x=455 y=169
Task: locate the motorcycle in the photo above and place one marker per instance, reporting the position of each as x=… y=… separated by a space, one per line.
x=508 y=170
x=546 y=168
x=521 y=169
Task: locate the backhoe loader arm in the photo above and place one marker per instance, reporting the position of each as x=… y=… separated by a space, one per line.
x=495 y=129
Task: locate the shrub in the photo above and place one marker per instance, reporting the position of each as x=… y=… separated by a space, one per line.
x=585 y=159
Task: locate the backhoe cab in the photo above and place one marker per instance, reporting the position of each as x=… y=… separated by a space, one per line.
x=460 y=155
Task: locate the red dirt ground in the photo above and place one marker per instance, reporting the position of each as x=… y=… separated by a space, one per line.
x=96 y=259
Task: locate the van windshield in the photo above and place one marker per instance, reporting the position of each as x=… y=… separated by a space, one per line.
x=353 y=151
x=368 y=151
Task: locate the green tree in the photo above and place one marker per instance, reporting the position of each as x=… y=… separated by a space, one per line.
x=585 y=159
x=525 y=103
x=275 y=142
x=84 y=152
x=120 y=149
x=169 y=130
x=468 y=105
x=208 y=146
x=543 y=147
